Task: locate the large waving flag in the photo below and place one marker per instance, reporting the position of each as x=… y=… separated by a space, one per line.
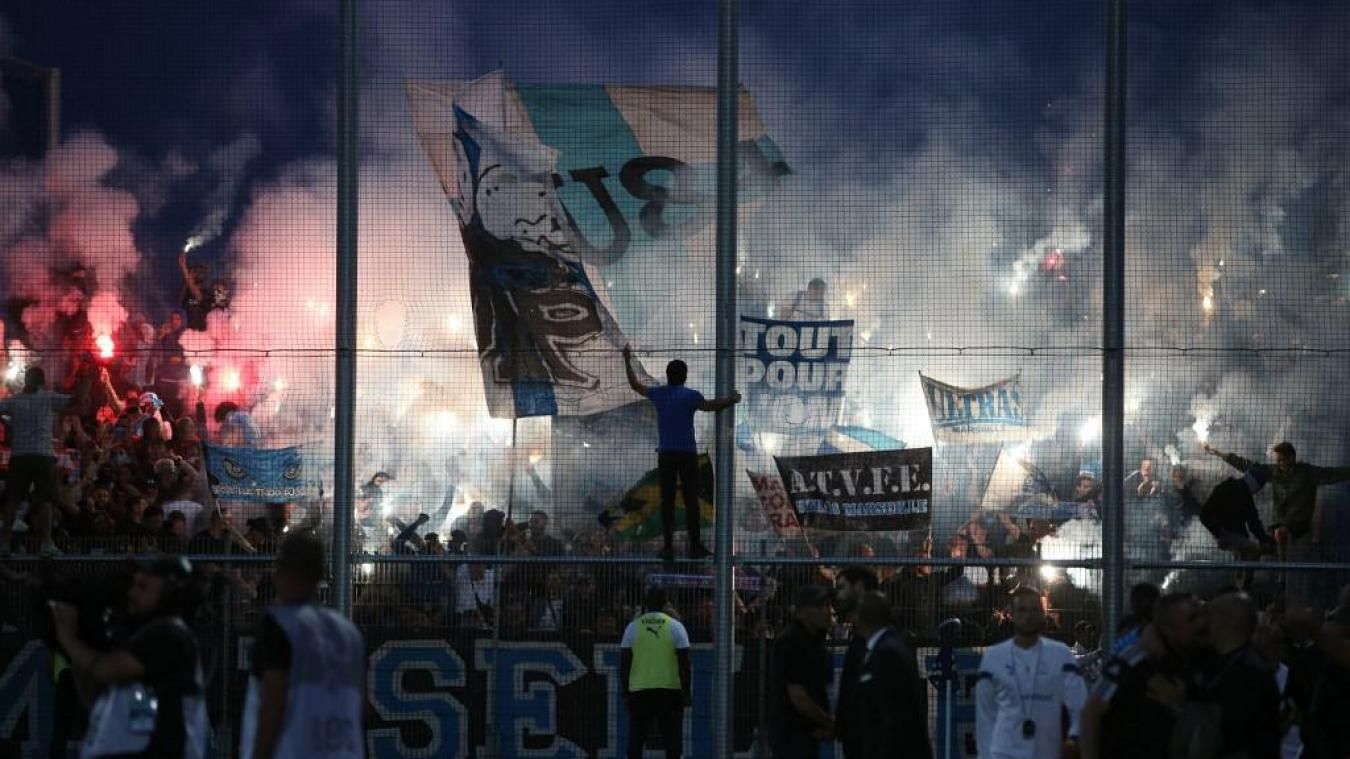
x=256 y=474
x=550 y=182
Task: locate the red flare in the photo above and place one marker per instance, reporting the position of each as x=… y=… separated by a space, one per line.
x=105 y=346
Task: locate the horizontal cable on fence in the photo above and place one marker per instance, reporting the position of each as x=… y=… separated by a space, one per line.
x=573 y=560
x=1269 y=566
x=983 y=351
x=746 y=561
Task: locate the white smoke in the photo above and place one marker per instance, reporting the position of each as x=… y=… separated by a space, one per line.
x=227 y=164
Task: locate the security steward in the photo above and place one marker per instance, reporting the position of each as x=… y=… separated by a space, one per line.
x=306 y=691
x=146 y=694
x=654 y=670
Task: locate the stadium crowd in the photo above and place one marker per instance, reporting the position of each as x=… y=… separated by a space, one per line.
x=128 y=476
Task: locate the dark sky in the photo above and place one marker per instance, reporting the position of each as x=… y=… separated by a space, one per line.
x=163 y=76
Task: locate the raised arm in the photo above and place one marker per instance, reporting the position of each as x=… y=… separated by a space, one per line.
x=717 y=404
x=1328 y=475
x=633 y=381
x=1232 y=459
x=190 y=281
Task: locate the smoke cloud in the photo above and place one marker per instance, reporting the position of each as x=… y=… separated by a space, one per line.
x=930 y=204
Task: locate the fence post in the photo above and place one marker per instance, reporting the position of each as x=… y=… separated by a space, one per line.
x=727 y=134
x=344 y=401
x=1113 y=323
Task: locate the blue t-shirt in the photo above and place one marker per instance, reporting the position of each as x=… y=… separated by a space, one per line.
x=675 y=407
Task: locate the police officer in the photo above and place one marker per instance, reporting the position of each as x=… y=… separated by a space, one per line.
x=305 y=694
x=147 y=693
x=654 y=670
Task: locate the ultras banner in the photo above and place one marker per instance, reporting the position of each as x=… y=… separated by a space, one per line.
x=880 y=490
x=991 y=413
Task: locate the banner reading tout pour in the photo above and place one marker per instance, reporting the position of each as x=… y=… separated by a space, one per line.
x=793 y=373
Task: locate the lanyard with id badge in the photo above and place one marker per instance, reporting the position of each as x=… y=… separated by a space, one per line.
x=1028 y=724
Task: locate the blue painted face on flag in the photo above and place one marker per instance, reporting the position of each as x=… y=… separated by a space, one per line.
x=255 y=474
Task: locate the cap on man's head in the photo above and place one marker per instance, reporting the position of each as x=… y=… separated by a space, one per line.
x=812 y=595
x=817 y=284
x=1285 y=448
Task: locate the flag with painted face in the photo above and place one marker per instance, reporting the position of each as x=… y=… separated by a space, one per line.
x=256 y=474
x=559 y=188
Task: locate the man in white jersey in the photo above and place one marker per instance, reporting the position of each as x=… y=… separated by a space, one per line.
x=1023 y=684
x=306 y=692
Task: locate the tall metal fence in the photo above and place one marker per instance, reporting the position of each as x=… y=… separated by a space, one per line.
x=1059 y=275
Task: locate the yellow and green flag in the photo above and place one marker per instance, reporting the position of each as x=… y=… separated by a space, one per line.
x=638 y=515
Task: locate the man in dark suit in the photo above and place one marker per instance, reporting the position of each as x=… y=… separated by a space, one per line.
x=850 y=585
x=886 y=709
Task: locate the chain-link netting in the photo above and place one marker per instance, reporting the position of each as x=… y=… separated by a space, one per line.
x=916 y=343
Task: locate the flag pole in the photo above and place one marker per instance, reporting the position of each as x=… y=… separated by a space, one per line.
x=1113 y=323
x=344 y=401
x=728 y=130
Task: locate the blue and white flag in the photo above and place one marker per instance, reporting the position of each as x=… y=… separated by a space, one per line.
x=559 y=188
x=992 y=413
x=793 y=373
x=848 y=438
x=255 y=474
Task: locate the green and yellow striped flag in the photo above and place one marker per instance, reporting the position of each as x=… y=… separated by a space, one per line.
x=638 y=515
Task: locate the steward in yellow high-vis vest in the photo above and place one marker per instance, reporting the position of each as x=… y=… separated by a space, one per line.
x=654 y=670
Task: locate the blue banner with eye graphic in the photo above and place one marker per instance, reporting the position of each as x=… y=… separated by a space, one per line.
x=256 y=474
